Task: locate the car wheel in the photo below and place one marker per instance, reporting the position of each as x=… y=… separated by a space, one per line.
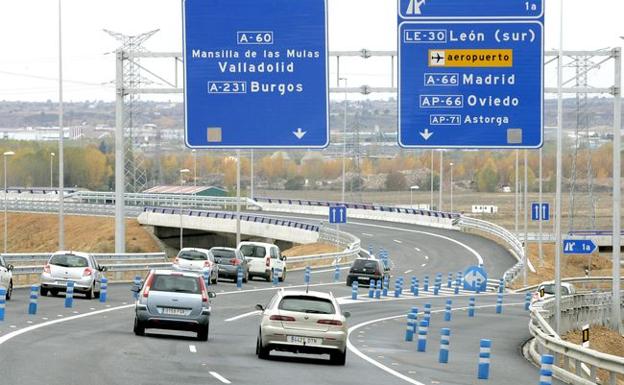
x=97 y=294
x=202 y=333
x=261 y=351
x=246 y=277
x=54 y=292
x=269 y=276
x=9 y=292
x=43 y=292
x=349 y=282
x=139 y=327
x=214 y=281
x=338 y=358
x=89 y=294
x=283 y=277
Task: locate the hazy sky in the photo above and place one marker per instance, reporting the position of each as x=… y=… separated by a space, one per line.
x=29 y=43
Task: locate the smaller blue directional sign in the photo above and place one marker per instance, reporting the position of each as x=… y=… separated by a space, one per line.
x=578 y=246
x=540 y=212
x=337 y=214
x=475 y=277
x=481 y=9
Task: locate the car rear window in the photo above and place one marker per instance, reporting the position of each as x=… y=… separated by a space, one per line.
x=69 y=260
x=306 y=304
x=176 y=283
x=360 y=264
x=253 y=251
x=550 y=289
x=192 y=255
x=223 y=253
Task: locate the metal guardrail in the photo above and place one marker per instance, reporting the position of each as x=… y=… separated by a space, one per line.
x=43 y=257
x=581 y=283
x=121 y=267
x=76 y=208
x=576 y=310
x=163 y=200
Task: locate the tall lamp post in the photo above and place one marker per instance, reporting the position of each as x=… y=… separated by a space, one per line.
x=451 y=164
x=51 y=169
x=182 y=172
x=6 y=219
x=194 y=167
x=412 y=188
x=344 y=143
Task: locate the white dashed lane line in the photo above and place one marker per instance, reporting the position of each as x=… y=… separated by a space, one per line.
x=192 y=348
x=397 y=241
x=417 y=249
x=220 y=377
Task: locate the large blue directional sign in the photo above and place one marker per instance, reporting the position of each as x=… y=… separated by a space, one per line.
x=256 y=73
x=475 y=277
x=540 y=212
x=578 y=246
x=470 y=76
x=337 y=214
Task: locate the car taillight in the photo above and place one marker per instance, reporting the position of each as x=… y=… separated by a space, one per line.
x=87 y=272
x=176 y=261
x=283 y=318
x=268 y=262
x=330 y=322
x=235 y=261
x=204 y=291
x=46 y=269
x=148 y=285
x=207 y=263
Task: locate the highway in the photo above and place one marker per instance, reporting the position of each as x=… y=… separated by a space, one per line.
x=95 y=341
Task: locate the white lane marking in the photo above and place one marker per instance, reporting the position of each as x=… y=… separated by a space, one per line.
x=423 y=265
x=427 y=257
x=193 y=348
x=367 y=234
x=408 y=271
x=397 y=241
x=417 y=249
x=279 y=287
x=220 y=377
x=383 y=367
x=16 y=333
x=243 y=316
x=329 y=270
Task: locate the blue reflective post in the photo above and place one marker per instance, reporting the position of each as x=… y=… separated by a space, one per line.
x=527 y=301
x=478 y=285
x=428 y=312
x=137 y=283
x=400 y=286
x=445 y=337
x=371 y=288
x=436 y=291
x=460 y=276
x=2 y=302
x=386 y=284
x=306 y=275
x=546 y=369
x=422 y=335
x=69 y=294
x=426 y=283
x=337 y=273
x=447 y=310
x=499 y=303
x=485 y=348
x=378 y=289
x=449 y=281
x=456 y=291
x=370 y=249
x=275 y=278
x=412 y=284
x=501 y=285
x=239 y=277
x=409 y=331
x=34 y=293
x=207 y=277
x=397 y=293
x=471 y=307
x=354 y=290
x=415 y=311
x=103 y=289
x=416 y=288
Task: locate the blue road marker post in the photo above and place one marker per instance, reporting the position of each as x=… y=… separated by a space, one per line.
x=447 y=310
x=354 y=290
x=416 y=288
x=337 y=273
x=137 y=283
x=460 y=277
x=485 y=348
x=32 y=306
x=378 y=289
x=306 y=275
x=546 y=369
x=445 y=337
x=471 y=307
x=478 y=285
x=409 y=331
x=69 y=294
x=397 y=293
x=371 y=288
x=501 y=286
x=449 y=280
x=456 y=291
x=412 y=284
x=2 y=302
x=422 y=335
x=207 y=277
x=370 y=249
x=386 y=284
x=400 y=286
x=275 y=278
x=436 y=291
x=499 y=303
x=428 y=312
x=103 y=289
x=239 y=277
x=527 y=301
x=426 y=283
x=415 y=311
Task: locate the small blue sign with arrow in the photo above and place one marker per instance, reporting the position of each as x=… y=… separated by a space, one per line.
x=475 y=278
x=578 y=246
x=337 y=214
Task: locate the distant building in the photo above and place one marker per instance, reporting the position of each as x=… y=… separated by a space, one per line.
x=202 y=191
x=506 y=188
x=484 y=209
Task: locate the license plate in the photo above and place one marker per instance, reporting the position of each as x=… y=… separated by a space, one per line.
x=304 y=340
x=364 y=278
x=174 y=311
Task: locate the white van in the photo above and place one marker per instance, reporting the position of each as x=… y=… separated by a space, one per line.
x=264 y=260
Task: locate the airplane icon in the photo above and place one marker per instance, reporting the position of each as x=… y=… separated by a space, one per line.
x=437 y=58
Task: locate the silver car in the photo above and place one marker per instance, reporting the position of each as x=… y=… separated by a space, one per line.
x=81 y=268
x=303 y=322
x=173 y=300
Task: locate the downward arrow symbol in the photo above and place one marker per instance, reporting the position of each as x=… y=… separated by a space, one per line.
x=299 y=134
x=426 y=134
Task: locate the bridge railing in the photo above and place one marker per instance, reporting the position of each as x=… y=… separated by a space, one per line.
x=164 y=200
x=575 y=364
x=112 y=257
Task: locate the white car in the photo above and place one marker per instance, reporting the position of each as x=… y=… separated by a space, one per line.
x=81 y=268
x=303 y=322
x=198 y=261
x=547 y=290
x=264 y=260
x=6 y=277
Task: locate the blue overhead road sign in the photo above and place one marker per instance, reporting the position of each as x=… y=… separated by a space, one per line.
x=578 y=246
x=256 y=74
x=475 y=277
x=470 y=76
x=337 y=214
x=540 y=212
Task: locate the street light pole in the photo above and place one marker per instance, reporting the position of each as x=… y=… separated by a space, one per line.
x=182 y=172
x=431 y=176
x=344 y=144
x=451 y=164
x=559 y=176
x=194 y=167
x=238 y=197
x=61 y=192
x=6 y=219
x=51 y=170
x=516 y=197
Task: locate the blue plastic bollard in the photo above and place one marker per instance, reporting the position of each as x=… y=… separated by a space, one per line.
x=2 y=302
x=527 y=301
x=428 y=312
x=32 y=306
x=412 y=284
x=499 y=303
x=370 y=249
x=69 y=294
x=416 y=289
x=415 y=311
x=306 y=275
x=449 y=281
x=103 y=289
x=378 y=289
x=485 y=348
x=460 y=277
x=501 y=285
x=239 y=277
x=436 y=291
x=275 y=278
x=471 y=307
x=546 y=369
x=456 y=291
x=337 y=273
x=409 y=331
x=445 y=339
x=426 y=283
x=354 y=290
x=137 y=283
x=400 y=286
x=397 y=293
x=478 y=285
x=422 y=335
x=207 y=277
x=386 y=284
x=447 y=310
x=371 y=289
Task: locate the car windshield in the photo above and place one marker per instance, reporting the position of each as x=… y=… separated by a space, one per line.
x=306 y=304
x=69 y=260
x=192 y=255
x=223 y=253
x=253 y=251
x=550 y=289
x=176 y=283
x=360 y=264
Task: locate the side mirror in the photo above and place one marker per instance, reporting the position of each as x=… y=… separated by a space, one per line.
x=135 y=288
x=10 y=267
x=283 y=258
x=259 y=307
x=346 y=314
x=212 y=294
x=103 y=268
